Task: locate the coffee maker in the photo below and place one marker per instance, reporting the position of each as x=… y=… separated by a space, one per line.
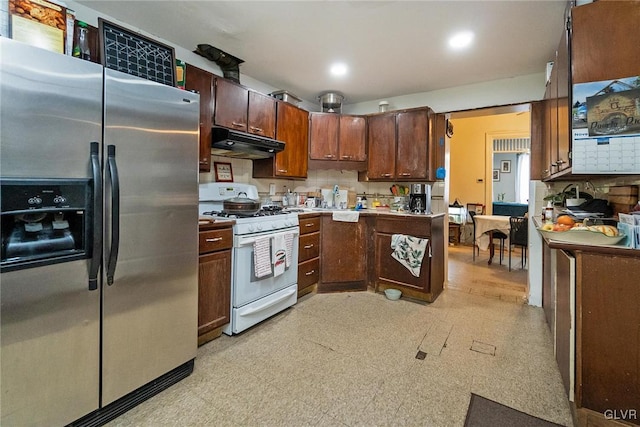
x=420 y=198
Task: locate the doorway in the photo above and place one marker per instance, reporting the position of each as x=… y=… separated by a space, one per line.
x=476 y=171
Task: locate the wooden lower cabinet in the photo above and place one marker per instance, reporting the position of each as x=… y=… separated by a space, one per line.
x=389 y=273
x=343 y=255
x=591 y=298
x=214 y=283
x=308 y=253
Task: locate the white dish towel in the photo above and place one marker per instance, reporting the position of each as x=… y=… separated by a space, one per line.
x=288 y=241
x=278 y=254
x=262 y=257
x=346 y=216
x=409 y=251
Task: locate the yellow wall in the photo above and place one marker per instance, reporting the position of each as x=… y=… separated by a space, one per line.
x=471 y=156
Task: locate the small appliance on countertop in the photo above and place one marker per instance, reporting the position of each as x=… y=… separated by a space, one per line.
x=420 y=199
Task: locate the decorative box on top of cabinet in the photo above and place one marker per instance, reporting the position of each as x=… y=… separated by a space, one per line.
x=309 y=253
x=214 y=280
x=292 y=128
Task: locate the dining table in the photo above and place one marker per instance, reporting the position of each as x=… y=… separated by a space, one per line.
x=485 y=226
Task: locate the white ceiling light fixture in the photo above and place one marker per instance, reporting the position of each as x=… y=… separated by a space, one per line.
x=461 y=40
x=339 y=69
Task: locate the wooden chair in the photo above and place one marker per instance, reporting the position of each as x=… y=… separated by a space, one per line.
x=519 y=236
x=474 y=209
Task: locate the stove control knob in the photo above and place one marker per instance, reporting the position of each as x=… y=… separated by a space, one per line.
x=273 y=225
x=259 y=227
x=251 y=229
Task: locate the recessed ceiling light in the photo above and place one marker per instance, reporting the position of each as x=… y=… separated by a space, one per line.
x=461 y=40
x=338 y=69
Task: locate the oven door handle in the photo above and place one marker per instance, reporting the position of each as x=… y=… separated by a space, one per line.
x=270 y=303
x=246 y=241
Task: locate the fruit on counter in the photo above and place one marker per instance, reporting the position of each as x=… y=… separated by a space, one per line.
x=547 y=226
x=608 y=230
x=565 y=220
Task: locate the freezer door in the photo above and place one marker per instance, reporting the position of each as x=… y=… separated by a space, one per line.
x=49 y=333
x=150 y=309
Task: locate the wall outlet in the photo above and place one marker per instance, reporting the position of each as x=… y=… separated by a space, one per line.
x=272 y=189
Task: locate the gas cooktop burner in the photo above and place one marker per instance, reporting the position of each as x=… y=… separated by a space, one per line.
x=264 y=211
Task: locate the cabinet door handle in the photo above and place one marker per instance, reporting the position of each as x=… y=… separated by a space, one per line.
x=329 y=156
x=560 y=162
x=346 y=157
x=405 y=174
x=283 y=170
x=215 y=239
x=309 y=273
x=385 y=174
x=238 y=125
x=255 y=129
x=308 y=246
x=309 y=225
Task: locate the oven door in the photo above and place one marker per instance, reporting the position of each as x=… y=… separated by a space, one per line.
x=246 y=286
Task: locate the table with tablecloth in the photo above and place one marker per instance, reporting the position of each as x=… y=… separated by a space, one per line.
x=485 y=225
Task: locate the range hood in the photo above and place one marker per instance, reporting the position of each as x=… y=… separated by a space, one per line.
x=242 y=145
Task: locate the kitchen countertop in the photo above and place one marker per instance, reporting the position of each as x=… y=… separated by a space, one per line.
x=603 y=249
x=368 y=212
x=211 y=224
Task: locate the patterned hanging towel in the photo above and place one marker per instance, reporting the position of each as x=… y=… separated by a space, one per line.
x=278 y=254
x=409 y=251
x=262 y=257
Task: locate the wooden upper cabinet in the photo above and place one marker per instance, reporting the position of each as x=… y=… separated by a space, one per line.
x=292 y=128
x=412 y=144
x=564 y=106
x=323 y=136
x=262 y=115
x=352 y=138
x=231 y=105
x=610 y=53
x=381 y=139
x=202 y=82
x=438 y=126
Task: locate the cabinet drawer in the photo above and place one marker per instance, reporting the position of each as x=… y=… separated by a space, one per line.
x=418 y=227
x=309 y=225
x=215 y=240
x=309 y=247
x=308 y=273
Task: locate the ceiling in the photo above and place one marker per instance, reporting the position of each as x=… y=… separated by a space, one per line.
x=392 y=48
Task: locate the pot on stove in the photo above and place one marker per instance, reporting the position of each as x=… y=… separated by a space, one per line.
x=241 y=205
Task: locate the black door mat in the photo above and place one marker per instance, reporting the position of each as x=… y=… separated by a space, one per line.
x=487 y=413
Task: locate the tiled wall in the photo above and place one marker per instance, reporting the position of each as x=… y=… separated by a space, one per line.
x=316 y=179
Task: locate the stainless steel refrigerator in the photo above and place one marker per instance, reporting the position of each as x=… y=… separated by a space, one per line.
x=99 y=183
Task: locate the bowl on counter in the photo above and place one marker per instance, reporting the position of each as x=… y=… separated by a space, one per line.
x=393 y=294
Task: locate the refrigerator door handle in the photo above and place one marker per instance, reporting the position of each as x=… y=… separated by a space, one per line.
x=115 y=213
x=96 y=254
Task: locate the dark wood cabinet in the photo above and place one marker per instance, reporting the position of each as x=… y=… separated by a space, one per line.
x=214 y=282
x=591 y=299
x=389 y=273
x=202 y=82
x=583 y=56
x=437 y=146
x=308 y=253
x=244 y=110
x=261 y=115
x=292 y=128
x=337 y=141
x=398 y=146
x=412 y=144
x=343 y=255
x=323 y=136
x=381 y=144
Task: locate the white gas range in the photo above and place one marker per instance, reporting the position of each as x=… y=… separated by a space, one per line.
x=264 y=274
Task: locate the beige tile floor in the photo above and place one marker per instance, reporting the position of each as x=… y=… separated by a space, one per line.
x=349 y=359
